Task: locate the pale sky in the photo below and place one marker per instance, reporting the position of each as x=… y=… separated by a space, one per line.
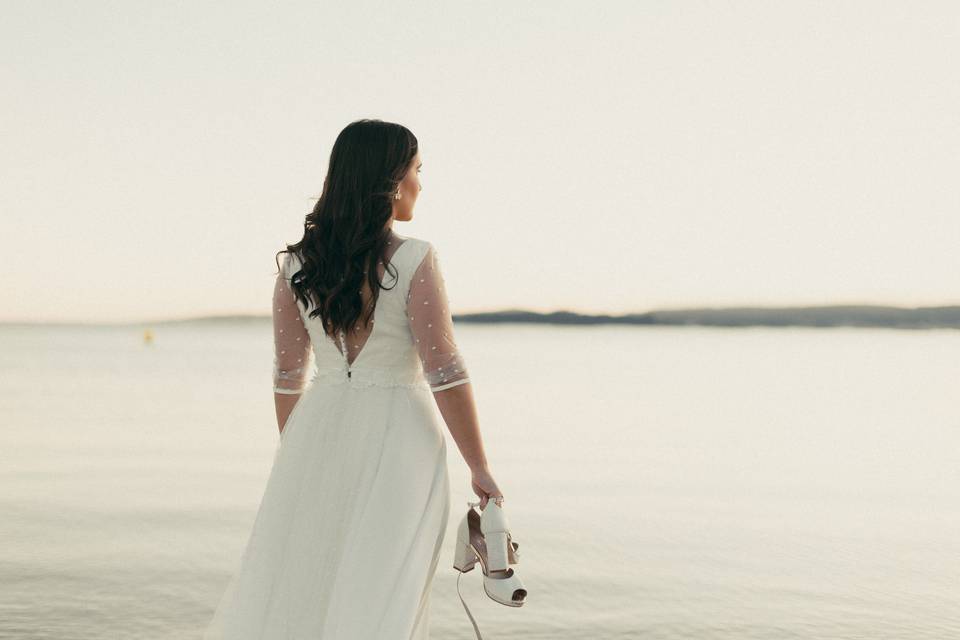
x=588 y=156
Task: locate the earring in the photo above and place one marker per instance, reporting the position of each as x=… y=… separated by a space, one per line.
x=396 y=196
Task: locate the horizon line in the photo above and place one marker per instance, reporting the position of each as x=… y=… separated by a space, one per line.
x=528 y=315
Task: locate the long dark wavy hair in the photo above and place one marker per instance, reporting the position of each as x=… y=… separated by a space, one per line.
x=346 y=233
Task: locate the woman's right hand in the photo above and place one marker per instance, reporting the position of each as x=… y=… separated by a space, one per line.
x=485 y=487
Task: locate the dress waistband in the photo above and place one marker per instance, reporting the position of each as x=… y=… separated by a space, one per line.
x=368 y=376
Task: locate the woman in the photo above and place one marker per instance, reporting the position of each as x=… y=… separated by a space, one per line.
x=347 y=537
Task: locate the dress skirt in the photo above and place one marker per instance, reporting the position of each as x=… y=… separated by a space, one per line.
x=347 y=537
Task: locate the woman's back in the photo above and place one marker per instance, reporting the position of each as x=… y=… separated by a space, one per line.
x=409 y=341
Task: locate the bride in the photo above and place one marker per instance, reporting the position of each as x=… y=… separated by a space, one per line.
x=346 y=540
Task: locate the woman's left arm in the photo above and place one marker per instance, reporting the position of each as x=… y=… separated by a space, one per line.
x=291 y=342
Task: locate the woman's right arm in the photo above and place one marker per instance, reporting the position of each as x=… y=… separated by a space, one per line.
x=458 y=409
x=431 y=323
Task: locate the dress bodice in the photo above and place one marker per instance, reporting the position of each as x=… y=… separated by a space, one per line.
x=410 y=340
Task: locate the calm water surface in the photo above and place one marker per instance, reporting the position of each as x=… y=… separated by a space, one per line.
x=662 y=482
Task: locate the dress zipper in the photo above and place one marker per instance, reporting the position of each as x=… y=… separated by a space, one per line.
x=343 y=343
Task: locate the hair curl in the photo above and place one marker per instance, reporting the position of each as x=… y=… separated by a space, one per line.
x=346 y=233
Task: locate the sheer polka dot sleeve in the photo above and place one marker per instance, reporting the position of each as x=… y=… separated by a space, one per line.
x=291 y=342
x=431 y=324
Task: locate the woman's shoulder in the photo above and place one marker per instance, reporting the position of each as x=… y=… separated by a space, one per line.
x=415 y=240
x=290 y=262
x=415 y=247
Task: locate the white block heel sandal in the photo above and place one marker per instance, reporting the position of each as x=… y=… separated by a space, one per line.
x=486 y=537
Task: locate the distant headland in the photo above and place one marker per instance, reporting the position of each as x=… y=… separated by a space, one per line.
x=815 y=316
x=810 y=316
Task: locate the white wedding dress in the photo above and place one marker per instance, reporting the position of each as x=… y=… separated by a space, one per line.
x=347 y=536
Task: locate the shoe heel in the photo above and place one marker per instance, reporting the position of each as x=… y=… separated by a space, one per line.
x=464 y=558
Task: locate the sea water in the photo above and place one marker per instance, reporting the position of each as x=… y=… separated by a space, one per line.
x=662 y=482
